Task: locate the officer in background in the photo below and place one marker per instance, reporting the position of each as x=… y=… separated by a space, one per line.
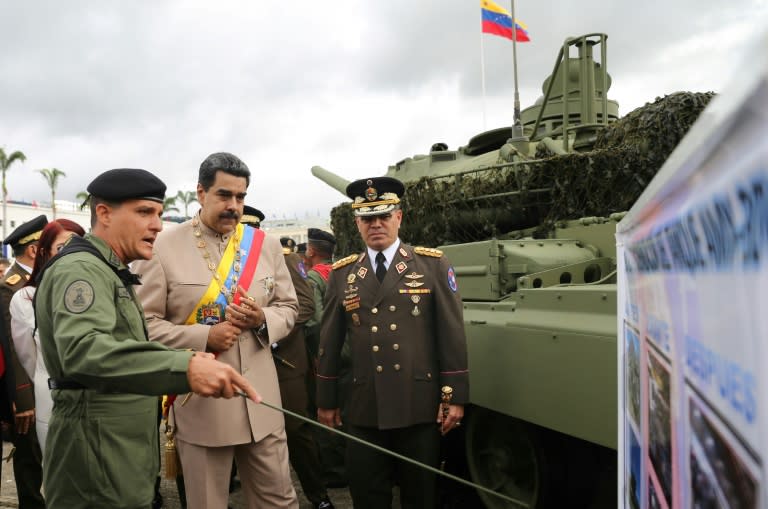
x=27 y=467
x=332 y=447
x=401 y=308
x=301 y=250
x=292 y=365
x=252 y=216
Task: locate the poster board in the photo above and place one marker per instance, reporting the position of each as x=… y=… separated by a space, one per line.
x=693 y=314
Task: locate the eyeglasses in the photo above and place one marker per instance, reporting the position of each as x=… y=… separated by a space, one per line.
x=369 y=219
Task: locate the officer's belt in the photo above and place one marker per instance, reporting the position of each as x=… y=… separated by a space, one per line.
x=64 y=384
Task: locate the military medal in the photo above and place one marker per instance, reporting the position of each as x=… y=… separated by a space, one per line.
x=414 y=284
x=401 y=266
x=352 y=302
x=209 y=314
x=414 y=275
x=269 y=285
x=362 y=271
x=415 y=299
x=350 y=279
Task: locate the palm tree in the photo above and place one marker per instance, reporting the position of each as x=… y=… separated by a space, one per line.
x=82 y=198
x=186 y=198
x=5 y=164
x=52 y=177
x=169 y=204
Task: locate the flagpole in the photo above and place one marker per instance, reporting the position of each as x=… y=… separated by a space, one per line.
x=517 y=127
x=482 y=71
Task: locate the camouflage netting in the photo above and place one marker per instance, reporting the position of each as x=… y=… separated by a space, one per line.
x=505 y=198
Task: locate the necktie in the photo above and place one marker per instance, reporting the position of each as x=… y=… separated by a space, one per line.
x=381 y=269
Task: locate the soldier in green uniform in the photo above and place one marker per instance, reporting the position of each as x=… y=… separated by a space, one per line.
x=105 y=373
x=27 y=468
x=399 y=309
x=319 y=256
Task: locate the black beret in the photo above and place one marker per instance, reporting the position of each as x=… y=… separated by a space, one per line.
x=252 y=216
x=127 y=184
x=318 y=235
x=27 y=232
x=301 y=248
x=288 y=242
x=375 y=196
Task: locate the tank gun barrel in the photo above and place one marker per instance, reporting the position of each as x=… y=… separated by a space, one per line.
x=331 y=179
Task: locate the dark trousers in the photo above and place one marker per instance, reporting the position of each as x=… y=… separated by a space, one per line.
x=28 y=470
x=372 y=473
x=302 y=449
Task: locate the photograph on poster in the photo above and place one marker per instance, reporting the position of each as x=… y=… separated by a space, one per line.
x=634 y=475
x=722 y=474
x=653 y=498
x=660 y=424
x=632 y=373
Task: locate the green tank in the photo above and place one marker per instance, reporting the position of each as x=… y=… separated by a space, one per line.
x=528 y=222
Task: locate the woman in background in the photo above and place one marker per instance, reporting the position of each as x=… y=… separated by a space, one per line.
x=52 y=239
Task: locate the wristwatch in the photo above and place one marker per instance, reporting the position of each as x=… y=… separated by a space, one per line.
x=262 y=330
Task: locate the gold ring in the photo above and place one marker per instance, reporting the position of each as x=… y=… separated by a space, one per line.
x=251 y=299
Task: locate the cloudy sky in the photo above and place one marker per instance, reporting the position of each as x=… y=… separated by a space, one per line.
x=352 y=86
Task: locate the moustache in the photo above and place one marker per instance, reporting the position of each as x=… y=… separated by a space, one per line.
x=229 y=214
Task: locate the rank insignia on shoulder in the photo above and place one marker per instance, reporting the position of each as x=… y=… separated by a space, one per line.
x=428 y=251
x=12 y=280
x=344 y=261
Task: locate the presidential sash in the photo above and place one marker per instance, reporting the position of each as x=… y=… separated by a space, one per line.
x=210 y=308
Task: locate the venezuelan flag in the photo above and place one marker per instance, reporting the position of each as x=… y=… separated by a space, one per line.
x=498 y=21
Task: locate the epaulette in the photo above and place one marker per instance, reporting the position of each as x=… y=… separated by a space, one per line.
x=287 y=250
x=428 y=251
x=12 y=280
x=345 y=261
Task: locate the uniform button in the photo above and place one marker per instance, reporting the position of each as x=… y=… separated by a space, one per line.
x=395 y=347
x=374 y=329
x=375 y=310
x=321 y=352
x=397 y=367
x=429 y=375
x=379 y=369
x=392 y=308
x=375 y=348
x=393 y=326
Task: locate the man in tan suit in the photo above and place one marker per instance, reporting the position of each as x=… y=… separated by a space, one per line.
x=218 y=286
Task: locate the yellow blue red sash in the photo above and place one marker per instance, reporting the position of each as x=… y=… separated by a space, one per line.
x=210 y=308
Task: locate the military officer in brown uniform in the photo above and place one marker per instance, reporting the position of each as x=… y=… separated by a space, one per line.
x=401 y=308
x=27 y=460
